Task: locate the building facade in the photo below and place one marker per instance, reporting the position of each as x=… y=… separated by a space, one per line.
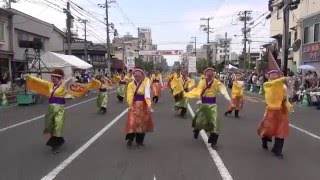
x=301 y=27
x=26 y=28
x=6 y=49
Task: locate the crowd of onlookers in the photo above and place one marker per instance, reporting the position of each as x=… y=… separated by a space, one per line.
x=298 y=85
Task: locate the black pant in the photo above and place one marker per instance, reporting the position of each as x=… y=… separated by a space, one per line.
x=139 y=137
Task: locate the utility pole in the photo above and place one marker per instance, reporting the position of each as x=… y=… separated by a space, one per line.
x=84 y=21
x=225 y=49
x=108 y=56
x=208 y=31
x=285 y=39
x=195 y=46
x=245 y=16
x=69 y=24
x=249 y=54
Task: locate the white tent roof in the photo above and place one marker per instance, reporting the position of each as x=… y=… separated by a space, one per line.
x=55 y=60
x=232 y=67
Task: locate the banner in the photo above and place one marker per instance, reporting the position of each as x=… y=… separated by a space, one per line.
x=130 y=62
x=192 y=64
x=161 y=52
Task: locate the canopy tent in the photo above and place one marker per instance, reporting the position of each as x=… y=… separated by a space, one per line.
x=232 y=67
x=65 y=62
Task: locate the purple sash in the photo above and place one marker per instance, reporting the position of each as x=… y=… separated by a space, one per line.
x=138 y=97
x=56 y=100
x=208 y=100
x=102 y=89
x=155 y=81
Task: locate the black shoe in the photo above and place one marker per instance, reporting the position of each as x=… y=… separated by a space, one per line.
x=196 y=134
x=236 y=113
x=156 y=99
x=183 y=112
x=228 y=112
x=129 y=143
x=213 y=139
x=265 y=143
x=279 y=156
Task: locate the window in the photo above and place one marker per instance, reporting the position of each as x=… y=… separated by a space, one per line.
x=289 y=38
x=308 y=35
x=316 y=32
x=1 y=31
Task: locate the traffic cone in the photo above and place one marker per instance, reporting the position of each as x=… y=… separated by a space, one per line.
x=305 y=102
x=4 y=101
x=251 y=89
x=261 y=90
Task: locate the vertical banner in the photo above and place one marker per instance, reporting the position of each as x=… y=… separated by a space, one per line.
x=130 y=62
x=192 y=64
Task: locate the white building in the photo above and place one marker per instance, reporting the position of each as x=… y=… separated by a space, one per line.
x=304 y=25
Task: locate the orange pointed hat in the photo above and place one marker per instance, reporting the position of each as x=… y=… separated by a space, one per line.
x=273 y=67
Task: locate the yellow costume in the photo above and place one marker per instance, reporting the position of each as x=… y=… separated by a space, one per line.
x=139 y=116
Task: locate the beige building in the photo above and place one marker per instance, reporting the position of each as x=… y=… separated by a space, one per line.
x=305 y=10
x=6 y=49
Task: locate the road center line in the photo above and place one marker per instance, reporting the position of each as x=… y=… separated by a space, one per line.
x=39 y=117
x=73 y=156
x=214 y=154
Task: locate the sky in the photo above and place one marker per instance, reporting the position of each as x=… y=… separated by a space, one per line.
x=173 y=22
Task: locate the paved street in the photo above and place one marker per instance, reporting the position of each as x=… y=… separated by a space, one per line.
x=96 y=149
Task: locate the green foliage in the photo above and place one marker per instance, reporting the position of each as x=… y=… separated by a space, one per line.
x=147 y=66
x=203 y=64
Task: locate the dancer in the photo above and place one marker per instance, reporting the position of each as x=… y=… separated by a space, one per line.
x=236 y=95
x=139 y=116
x=276 y=120
x=206 y=116
x=188 y=84
x=121 y=91
x=156 y=80
x=56 y=91
x=176 y=85
x=102 y=83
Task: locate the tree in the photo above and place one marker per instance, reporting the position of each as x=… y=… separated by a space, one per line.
x=203 y=64
x=147 y=66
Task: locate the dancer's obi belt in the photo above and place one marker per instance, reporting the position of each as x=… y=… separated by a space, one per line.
x=208 y=100
x=123 y=82
x=155 y=81
x=179 y=96
x=57 y=100
x=103 y=90
x=139 y=98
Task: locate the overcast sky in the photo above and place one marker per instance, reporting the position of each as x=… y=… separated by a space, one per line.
x=173 y=22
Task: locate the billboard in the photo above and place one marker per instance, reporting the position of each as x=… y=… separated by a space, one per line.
x=144 y=30
x=192 y=64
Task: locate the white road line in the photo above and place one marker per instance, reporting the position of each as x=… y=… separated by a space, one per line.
x=73 y=156
x=214 y=154
x=154 y=177
x=305 y=131
x=39 y=117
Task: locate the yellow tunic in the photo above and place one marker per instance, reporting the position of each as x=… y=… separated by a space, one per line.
x=275 y=93
x=188 y=84
x=215 y=88
x=176 y=83
x=154 y=77
x=141 y=91
x=43 y=87
x=237 y=90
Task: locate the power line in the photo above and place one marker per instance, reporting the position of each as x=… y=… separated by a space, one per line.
x=126 y=17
